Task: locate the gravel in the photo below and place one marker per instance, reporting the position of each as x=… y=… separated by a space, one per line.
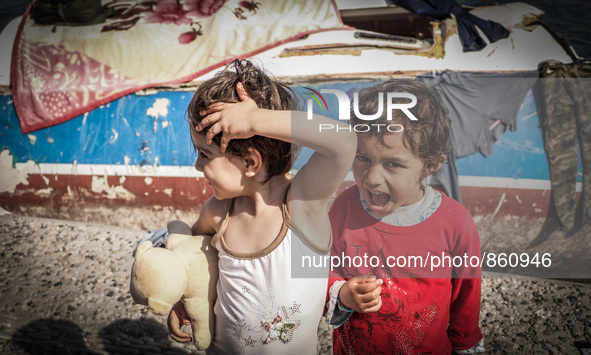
x=64 y=290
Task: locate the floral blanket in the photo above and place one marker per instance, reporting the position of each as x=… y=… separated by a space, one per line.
x=61 y=72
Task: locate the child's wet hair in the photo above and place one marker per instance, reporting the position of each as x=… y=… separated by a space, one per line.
x=267 y=92
x=427 y=137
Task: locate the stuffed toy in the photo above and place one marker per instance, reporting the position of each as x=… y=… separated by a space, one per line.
x=186 y=270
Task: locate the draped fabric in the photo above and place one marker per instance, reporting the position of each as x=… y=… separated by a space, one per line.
x=566 y=103
x=61 y=72
x=467 y=23
x=482 y=106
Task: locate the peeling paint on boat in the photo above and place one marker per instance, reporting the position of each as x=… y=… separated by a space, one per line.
x=11 y=176
x=159 y=109
x=100 y=185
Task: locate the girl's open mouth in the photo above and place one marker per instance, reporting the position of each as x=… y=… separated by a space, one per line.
x=377 y=200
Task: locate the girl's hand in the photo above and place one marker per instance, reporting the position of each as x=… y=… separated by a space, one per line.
x=362 y=294
x=233 y=119
x=176 y=319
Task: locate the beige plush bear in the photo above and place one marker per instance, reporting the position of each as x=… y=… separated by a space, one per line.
x=186 y=270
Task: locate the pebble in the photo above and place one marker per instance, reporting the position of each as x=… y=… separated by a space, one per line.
x=65 y=290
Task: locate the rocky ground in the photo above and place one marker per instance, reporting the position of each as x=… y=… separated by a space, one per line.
x=64 y=290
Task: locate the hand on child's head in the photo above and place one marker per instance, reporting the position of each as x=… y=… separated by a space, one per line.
x=230 y=119
x=207 y=118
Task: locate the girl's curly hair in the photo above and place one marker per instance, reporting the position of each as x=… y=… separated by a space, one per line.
x=267 y=92
x=427 y=137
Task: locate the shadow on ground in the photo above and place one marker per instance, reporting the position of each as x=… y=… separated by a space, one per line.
x=125 y=336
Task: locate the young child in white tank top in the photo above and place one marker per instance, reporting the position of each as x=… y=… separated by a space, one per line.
x=243 y=124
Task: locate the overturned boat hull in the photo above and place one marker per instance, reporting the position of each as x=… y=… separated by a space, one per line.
x=136 y=150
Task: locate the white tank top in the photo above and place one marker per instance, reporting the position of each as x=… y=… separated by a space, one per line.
x=260 y=308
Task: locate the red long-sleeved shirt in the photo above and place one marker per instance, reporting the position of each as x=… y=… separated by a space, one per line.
x=423 y=311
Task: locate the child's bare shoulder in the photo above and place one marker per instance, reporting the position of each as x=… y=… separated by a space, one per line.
x=211 y=215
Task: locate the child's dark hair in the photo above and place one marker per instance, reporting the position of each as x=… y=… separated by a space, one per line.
x=267 y=92
x=427 y=137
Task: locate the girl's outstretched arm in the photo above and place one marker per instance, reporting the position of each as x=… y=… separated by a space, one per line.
x=318 y=179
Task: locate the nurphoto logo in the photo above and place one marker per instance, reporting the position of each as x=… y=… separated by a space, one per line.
x=344 y=105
